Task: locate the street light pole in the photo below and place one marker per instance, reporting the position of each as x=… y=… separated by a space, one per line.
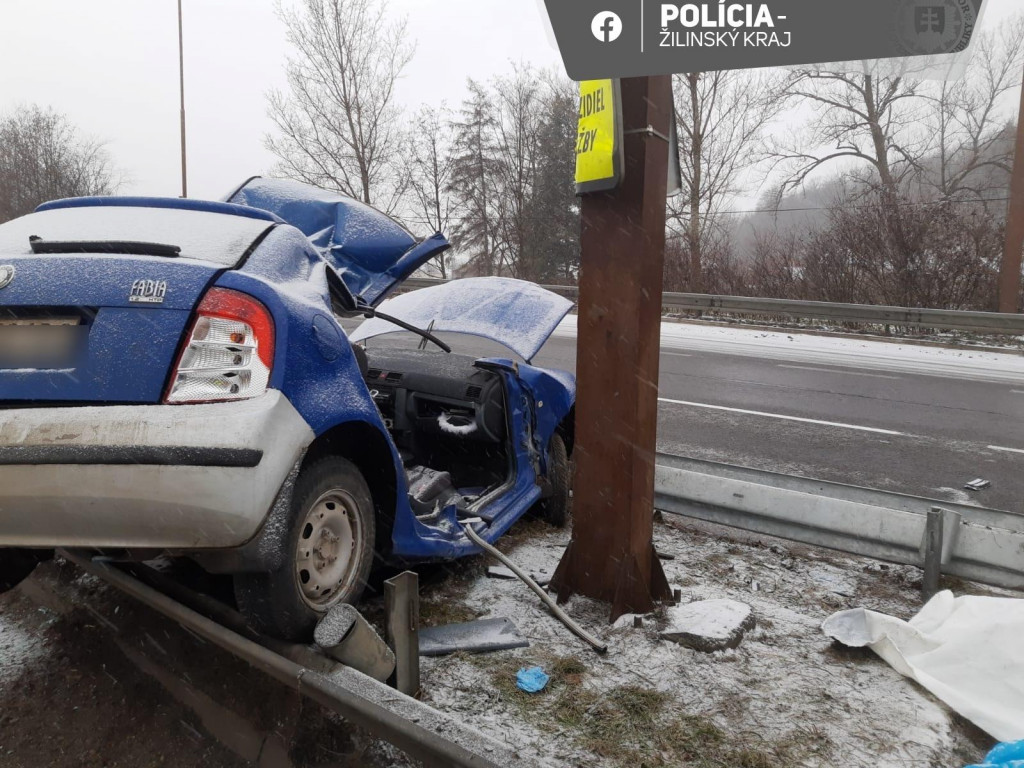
x=1009 y=273
x=181 y=80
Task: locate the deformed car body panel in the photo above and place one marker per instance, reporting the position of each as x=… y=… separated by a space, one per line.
x=520 y=316
x=371 y=251
x=145 y=476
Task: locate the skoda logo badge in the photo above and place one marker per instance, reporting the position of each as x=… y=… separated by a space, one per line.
x=6 y=275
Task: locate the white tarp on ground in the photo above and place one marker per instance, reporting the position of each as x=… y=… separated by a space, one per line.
x=968 y=651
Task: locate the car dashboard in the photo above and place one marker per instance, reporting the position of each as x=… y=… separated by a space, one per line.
x=432 y=393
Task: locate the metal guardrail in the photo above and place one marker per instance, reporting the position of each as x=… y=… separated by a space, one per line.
x=948 y=319
x=979 y=544
x=423 y=733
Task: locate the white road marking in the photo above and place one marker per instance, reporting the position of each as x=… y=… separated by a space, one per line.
x=1007 y=450
x=781 y=416
x=1017 y=391
x=844 y=373
x=676 y=354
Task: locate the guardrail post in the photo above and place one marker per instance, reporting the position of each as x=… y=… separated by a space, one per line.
x=932 y=553
x=402 y=623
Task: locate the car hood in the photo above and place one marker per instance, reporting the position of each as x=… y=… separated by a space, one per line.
x=371 y=251
x=516 y=314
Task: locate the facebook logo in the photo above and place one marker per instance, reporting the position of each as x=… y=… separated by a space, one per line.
x=606 y=26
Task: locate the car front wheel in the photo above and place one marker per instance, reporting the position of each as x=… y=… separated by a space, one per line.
x=328 y=551
x=556 y=507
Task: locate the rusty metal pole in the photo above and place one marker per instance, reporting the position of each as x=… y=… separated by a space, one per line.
x=611 y=555
x=1009 y=272
x=181 y=84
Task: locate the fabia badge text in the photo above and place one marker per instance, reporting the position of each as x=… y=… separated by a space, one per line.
x=148 y=291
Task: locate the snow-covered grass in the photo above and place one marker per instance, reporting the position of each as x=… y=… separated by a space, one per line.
x=854 y=352
x=785 y=697
x=19 y=645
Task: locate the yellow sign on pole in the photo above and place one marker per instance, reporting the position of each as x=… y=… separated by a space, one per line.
x=599 y=137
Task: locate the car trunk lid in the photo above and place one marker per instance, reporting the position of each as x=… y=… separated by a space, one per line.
x=87 y=325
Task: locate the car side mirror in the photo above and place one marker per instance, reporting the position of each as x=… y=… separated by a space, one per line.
x=342 y=300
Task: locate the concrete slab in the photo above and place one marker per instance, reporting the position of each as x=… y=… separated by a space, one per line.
x=709 y=625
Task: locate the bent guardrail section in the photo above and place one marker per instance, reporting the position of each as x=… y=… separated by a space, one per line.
x=980 y=544
x=423 y=733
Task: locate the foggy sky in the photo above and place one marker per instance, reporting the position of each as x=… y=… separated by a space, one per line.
x=112 y=67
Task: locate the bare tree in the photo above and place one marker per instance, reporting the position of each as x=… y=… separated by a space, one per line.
x=870 y=115
x=43 y=157
x=430 y=171
x=339 y=126
x=721 y=119
x=517 y=99
x=973 y=135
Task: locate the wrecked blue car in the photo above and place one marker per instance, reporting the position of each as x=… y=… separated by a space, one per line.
x=175 y=380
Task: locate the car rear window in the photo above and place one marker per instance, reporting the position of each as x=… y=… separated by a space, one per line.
x=218 y=238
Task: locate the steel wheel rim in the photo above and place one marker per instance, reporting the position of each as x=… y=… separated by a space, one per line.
x=326 y=551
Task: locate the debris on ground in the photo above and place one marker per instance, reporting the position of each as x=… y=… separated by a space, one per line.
x=978 y=484
x=502 y=572
x=1008 y=755
x=479 y=636
x=959 y=648
x=787 y=696
x=531 y=680
x=709 y=625
x=344 y=635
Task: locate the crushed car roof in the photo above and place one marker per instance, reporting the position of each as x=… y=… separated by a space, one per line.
x=371 y=251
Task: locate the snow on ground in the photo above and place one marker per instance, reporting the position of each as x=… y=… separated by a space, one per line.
x=853 y=352
x=785 y=696
x=19 y=647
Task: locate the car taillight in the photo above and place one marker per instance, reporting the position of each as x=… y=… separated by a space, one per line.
x=228 y=353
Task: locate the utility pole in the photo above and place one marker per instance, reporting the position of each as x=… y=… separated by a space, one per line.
x=181 y=82
x=1009 y=272
x=611 y=555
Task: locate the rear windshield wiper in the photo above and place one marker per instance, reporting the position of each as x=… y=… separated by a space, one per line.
x=126 y=247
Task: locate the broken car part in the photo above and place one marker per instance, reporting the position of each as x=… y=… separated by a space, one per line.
x=478 y=636
x=345 y=635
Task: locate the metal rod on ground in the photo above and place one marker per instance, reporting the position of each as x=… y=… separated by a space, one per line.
x=402 y=618
x=932 y=553
x=410 y=725
x=562 y=616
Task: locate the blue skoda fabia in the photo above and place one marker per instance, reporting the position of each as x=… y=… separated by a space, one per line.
x=175 y=380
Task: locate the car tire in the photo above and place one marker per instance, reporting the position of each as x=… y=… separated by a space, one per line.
x=328 y=548
x=555 y=508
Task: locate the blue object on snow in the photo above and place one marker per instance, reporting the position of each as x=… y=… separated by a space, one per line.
x=531 y=680
x=1006 y=755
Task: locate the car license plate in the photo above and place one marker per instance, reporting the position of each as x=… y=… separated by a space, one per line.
x=38 y=342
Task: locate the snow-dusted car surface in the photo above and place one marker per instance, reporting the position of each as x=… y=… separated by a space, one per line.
x=174 y=379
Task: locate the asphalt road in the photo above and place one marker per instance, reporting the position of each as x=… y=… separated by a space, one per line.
x=901 y=417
